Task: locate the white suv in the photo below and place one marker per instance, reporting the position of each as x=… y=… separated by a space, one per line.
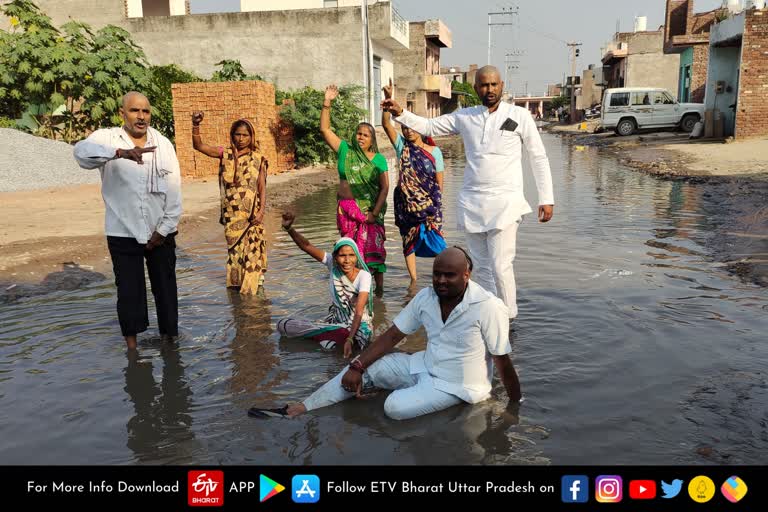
x=629 y=109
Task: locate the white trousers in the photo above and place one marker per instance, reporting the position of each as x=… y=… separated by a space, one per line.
x=493 y=254
x=414 y=395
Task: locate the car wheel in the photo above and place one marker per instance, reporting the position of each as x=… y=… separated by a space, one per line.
x=688 y=123
x=625 y=127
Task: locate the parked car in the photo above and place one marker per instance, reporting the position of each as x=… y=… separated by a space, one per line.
x=629 y=109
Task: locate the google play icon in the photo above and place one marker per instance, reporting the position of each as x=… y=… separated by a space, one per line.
x=268 y=488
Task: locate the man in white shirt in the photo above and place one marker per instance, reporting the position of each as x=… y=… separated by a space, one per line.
x=141 y=187
x=491 y=201
x=467 y=334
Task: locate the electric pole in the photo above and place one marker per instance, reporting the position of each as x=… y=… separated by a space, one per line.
x=574 y=49
x=367 y=64
x=511 y=11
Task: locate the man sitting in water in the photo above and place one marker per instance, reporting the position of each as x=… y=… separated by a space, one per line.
x=467 y=328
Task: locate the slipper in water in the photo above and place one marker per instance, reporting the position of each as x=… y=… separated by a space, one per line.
x=281 y=412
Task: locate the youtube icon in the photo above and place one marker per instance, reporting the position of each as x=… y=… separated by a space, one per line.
x=642 y=489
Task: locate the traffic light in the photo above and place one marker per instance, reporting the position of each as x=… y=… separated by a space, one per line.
x=577 y=52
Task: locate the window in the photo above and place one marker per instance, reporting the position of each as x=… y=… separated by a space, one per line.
x=620 y=99
x=330 y=3
x=641 y=98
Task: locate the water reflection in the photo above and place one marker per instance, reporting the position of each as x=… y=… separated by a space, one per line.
x=161 y=426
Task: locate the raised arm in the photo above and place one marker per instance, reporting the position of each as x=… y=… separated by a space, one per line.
x=333 y=140
x=386 y=117
x=197 y=141
x=435 y=127
x=299 y=239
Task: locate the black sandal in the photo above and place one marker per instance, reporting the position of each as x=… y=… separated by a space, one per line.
x=280 y=412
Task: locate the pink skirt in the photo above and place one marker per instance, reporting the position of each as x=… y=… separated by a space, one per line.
x=369 y=238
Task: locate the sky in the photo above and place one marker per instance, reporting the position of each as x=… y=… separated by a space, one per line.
x=539 y=36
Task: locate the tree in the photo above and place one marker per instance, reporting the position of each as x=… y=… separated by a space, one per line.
x=467 y=97
x=69 y=81
x=232 y=71
x=304 y=114
x=161 y=97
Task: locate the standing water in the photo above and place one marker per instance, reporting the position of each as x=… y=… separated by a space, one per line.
x=634 y=344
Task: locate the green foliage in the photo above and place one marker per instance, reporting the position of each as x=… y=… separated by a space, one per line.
x=561 y=101
x=232 y=71
x=84 y=71
x=469 y=98
x=7 y=123
x=304 y=114
x=159 y=94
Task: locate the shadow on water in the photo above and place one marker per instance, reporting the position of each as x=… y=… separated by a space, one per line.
x=636 y=343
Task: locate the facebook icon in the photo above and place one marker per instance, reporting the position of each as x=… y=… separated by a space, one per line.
x=575 y=489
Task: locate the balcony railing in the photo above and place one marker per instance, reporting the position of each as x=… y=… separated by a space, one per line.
x=399 y=23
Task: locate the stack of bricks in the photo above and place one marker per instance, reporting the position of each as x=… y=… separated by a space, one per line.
x=752 y=109
x=223 y=103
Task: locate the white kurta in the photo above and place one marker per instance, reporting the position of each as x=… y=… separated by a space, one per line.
x=139 y=199
x=492 y=194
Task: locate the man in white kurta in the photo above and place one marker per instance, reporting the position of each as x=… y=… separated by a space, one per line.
x=491 y=201
x=467 y=335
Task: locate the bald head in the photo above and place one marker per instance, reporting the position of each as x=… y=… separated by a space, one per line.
x=454 y=258
x=450 y=273
x=488 y=86
x=487 y=71
x=132 y=96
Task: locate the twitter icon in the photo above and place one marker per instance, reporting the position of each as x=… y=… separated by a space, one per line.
x=671 y=490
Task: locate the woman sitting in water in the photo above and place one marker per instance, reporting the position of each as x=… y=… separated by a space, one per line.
x=350 y=316
x=243 y=189
x=363 y=188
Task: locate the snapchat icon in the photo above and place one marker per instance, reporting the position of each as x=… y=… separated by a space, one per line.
x=701 y=489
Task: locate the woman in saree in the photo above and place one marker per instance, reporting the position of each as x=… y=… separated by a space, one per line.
x=363 y=188
x=243 y=188
x=350 y=315
x=419 y=192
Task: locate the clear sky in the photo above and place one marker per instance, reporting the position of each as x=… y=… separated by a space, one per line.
x=541 y=29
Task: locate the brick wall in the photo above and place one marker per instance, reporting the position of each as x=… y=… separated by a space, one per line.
x=699 y=73
x=752 y=111
x=223 y=103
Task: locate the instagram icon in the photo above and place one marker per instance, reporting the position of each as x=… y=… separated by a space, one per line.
x=608 y=489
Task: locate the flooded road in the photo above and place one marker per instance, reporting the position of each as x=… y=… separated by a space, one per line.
x=636 y=344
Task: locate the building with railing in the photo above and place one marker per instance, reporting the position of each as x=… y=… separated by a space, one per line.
x=420 y=86
x=295 y=44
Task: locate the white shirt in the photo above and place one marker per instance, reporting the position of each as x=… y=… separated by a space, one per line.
x=458 y=354
x=492 y=194
x=132 y=210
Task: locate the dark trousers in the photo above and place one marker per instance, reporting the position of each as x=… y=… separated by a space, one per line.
x=128 y=263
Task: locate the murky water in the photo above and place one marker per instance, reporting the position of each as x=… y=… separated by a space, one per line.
x=634 y=344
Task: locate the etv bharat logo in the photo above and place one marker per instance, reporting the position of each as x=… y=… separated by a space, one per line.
x=205 y=488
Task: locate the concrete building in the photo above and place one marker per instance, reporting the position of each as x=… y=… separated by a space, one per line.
x=293 y=47
x=737 y=76
x=687 y=33
x=419 y=85
x=637 y=59
x=592 y=86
